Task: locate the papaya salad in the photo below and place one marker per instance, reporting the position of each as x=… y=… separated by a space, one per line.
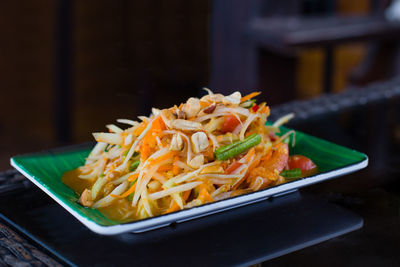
x=201 y=151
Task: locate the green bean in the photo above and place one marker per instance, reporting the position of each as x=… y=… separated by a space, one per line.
x=238 y=148
x=227 y=147
x=134 y=165
x=291 y=174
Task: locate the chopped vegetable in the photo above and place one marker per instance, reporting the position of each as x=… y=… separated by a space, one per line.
x=128 y=193
x=239 y=147
x=278 y=158
x=291 y=174
x=176 y=189
x=306 y=165
x=248 y=103
x=107 y=200
x=204 y=195
x=249 y=96
x=233 y=167
x=229 y=124
x=226 y=148
x=255 y=108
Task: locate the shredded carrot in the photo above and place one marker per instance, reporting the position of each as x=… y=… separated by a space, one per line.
x=175 y=168
x=165 y=168
x=239 y=182
x=204 y=195
x=161 y=144
x=248 y=134
x=266 y=182
x=249 y=96
x=209 y=153
x=232 y=167
x=133 y=177
x=175 y=206
x=267 y=156
x=249 y=154
x=254 y=164
x=145 y=151
x=127 y=193
x=170 y=154
x=265 y=110
x=186 y=195
x=158 y=124
x=204 y=104
x=149 y=140
x=140 y=129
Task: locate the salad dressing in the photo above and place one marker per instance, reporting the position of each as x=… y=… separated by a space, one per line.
x=71 y=179
x=119 y=210
x=116 y=211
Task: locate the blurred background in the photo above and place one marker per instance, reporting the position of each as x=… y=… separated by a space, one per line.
x=67 y=68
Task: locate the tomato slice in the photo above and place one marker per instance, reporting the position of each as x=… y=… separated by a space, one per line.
x=230 y=123
x=306 y=165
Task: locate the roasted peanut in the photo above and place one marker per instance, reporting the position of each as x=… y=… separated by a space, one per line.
x=186 y=125
x=199 y=141
x=86 y=198
x=197 y=161
x=192 y=107
x=176 y=142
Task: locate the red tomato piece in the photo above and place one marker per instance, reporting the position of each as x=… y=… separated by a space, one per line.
x=306 y=165
x=255 y=108
x=230 y=123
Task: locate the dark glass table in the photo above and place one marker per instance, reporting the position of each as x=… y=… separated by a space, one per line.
x=242 y=236
x=351 y=220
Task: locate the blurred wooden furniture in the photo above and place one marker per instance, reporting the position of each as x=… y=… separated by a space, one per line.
x=240 y=30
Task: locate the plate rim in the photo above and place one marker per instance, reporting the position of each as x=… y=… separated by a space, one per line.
x=195 y=212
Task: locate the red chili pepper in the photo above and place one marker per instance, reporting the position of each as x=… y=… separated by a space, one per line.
x=255 y=108
x=272 y=137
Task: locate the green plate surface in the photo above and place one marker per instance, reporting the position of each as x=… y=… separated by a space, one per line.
x=45 y=169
